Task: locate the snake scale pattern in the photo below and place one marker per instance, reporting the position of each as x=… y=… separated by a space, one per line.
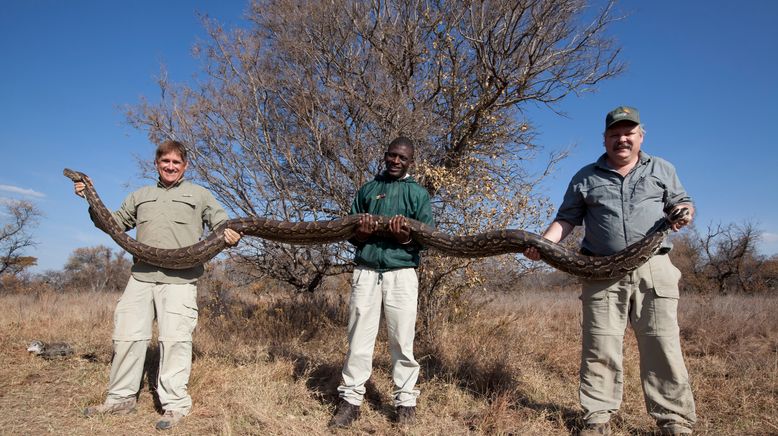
x=484 y=244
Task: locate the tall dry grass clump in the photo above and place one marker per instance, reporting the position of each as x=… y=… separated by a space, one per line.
x=733 y=343
x=268 y=362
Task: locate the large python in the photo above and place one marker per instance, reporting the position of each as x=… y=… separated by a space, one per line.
x=489 y=243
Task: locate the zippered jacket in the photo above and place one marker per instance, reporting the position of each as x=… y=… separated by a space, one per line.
x=389 y=197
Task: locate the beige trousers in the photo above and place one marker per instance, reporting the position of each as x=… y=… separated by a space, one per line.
x=397 y=292
x=175 y=307
x=646 y=299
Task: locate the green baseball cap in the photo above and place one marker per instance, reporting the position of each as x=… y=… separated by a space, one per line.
x=622 y=113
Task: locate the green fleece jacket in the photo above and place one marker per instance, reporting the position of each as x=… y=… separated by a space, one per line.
x=389 y=197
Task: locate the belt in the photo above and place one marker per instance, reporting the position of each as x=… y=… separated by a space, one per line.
x=587 y=252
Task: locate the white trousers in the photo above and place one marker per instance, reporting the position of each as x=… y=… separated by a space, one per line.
x=397 y=292
x=175 y=308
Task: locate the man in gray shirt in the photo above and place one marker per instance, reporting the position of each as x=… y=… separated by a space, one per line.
x=620 y=199
x=170 y=214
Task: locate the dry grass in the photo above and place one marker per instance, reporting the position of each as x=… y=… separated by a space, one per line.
x=270 y=365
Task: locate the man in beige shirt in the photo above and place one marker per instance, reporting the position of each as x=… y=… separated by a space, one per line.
x=170 y=214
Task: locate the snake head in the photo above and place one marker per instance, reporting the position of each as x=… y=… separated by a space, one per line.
x=76 y=176
x=679 y=214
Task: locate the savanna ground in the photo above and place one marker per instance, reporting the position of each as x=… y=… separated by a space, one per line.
x=270 y=364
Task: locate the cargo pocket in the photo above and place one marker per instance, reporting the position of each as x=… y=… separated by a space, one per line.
x=180 y=318
x=664 y=276
x=132 y=322
x=664 y=297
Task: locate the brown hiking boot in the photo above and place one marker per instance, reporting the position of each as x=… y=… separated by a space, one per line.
x=120 y=408
x=600 y=429
x=406 y=415
x=346 y=414
x=169 y=419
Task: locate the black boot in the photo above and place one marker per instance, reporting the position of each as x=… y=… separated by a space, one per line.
x=346 y=414
x=406 y=415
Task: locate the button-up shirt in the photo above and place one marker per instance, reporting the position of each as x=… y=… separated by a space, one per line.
x=171 y=217
x=620 y=210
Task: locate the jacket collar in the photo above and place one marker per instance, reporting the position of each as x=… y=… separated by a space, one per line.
x=384 y=178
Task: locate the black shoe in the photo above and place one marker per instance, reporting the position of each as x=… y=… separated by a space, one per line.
x=406 y=415
x=346 y=414
x=675 y=431
x=601 y=429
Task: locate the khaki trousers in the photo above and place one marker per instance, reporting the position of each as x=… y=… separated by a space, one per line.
x=175 y=307
x=646 y=299
x=397 y=292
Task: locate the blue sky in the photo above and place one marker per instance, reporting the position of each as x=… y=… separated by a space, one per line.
x=702 y=74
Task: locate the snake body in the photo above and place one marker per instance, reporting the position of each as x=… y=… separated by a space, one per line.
x=484 y=244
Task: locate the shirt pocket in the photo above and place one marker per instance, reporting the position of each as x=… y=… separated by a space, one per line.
x=147 y=209
x=182 y=210
x=648 y=188
x=606 y=195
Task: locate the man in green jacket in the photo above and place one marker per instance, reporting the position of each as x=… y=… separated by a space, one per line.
x=385 y=275
x=170 y=214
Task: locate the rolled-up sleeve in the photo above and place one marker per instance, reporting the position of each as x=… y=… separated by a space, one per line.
x=213 y=213
x=573 y=208
x=675 y=192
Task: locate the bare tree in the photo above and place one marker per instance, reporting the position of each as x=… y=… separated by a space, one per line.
x=293 y=114
x=729 y=250
x=722 y=260
x=96 y=269
x=19 y=217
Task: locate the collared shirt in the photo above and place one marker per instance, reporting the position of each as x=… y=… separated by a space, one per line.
x=169 y=218
x=618 y=211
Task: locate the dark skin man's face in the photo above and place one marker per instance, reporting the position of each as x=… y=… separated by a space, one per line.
x=397 y=160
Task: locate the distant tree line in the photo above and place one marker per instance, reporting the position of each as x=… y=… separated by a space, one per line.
x=92 y=269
